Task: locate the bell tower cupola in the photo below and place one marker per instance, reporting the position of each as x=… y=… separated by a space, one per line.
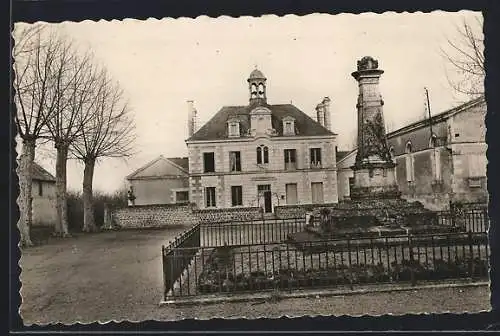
x=257 y=86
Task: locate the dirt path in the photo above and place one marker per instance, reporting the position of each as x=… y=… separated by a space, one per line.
x=117 y=276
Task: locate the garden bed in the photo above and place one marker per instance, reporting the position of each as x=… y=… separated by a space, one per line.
x=248 y=269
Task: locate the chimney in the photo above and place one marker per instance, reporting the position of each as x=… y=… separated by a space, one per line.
x=191 y=118
x=320 y=114
x=327 y=115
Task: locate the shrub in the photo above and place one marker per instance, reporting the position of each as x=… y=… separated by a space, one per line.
x=75 y=207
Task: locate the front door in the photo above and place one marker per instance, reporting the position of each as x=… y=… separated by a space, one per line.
x=264 y=191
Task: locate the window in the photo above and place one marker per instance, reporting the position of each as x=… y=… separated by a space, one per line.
x=435 y=158
x=409 y=163
x=290 y=159
x=233 y=125
x=234 y=161
x=40 y=188
x=208 y=162
x=234 y=130
x=288 y=125
x=261 y=90
x=236 y=195
x=253 y=90
x=315 y=157
x=181 y=196
x=210 y=197
x=262 y=155
x=317 y=192
x=392 y=153
x=291 y=193
x=477 y=165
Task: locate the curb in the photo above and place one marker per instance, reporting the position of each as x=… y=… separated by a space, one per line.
x=344 y=291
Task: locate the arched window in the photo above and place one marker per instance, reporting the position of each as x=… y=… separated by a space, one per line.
x=433 y=141
x=408 y=147
x=262 y=154
x=391 y=153
x=435 y=158
x=261 y=89
x=253 y=90
x=410 y=177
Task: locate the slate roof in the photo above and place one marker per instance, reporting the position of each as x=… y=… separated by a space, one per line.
x=216 y=128
x=182 y=162
x=342 y=154
x=256 y=74
x=438 y=117
x=40 y=174
x=179 y=164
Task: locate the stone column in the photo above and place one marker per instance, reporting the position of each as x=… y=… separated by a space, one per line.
x=374 y=170
x=108 y=220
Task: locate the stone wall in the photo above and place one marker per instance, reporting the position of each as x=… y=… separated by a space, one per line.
x=158 y=216
x=153 y=216
x=226 y=215
x=300 y=210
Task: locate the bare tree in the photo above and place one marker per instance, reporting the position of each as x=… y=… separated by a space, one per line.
x=465 y=56
x=110 y=133
x=37 y=58
x=74 y=108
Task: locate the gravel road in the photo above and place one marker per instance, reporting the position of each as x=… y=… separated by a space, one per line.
x=115 y=276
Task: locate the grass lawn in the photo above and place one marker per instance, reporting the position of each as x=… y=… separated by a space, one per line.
x=117 y=276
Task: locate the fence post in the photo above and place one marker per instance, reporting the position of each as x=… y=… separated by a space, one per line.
x=164 y=267
x=471 y=255
x=412 y=264
x=485 y=220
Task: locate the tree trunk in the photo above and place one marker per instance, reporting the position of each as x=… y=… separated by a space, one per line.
x=61 y=200
x=25 y=199
x=88 y=198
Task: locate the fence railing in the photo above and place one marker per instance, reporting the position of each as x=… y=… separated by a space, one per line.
x=399 y=259
x=199 y=260
x=469 y=220
x=177 y=256
x=250 y=232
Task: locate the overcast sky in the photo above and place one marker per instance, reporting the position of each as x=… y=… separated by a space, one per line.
x=161 y=64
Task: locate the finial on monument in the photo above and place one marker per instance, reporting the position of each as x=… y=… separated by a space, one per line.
x=367 y=63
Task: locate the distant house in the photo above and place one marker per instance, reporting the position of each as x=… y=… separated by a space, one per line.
x=439 y=161
x=44 y=197
x=161 y=181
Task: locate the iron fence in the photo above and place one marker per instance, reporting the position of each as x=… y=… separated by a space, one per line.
x=250 y=232
x=254 y=255
x=177 y=256
x=344 y=262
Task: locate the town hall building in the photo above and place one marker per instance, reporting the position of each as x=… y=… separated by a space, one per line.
x=263 y=155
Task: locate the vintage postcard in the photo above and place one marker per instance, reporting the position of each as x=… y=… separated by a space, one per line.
x=252 y=167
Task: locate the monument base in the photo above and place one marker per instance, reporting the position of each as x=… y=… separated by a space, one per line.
x=366 y=219
x=375 y=181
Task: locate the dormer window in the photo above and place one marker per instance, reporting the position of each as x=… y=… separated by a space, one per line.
x=288 y=126
x=233 y=125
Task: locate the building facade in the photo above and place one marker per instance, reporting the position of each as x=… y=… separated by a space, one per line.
x=262 y=155
x=161 y=181
x=43 y=192
x=438 y=160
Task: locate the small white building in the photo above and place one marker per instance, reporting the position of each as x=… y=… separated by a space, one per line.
x=44 y=197
x=161 y=181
